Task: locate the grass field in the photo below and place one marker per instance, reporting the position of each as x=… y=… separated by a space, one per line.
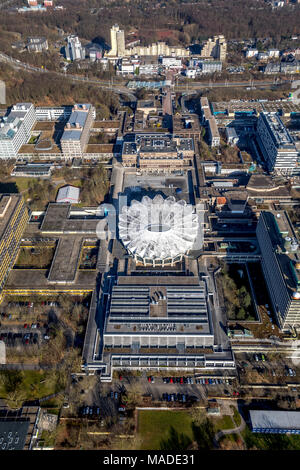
x=270 y=441
x=224 y=422
x=26 y=385
x=155 y=426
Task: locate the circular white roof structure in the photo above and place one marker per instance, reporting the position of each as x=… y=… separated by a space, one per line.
x=158 y=229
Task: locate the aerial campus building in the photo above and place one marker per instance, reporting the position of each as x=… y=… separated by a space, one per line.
x=156 y=322
x=13 y=220
x=77 y=130
x=154 y=312
x=152 y=153
x=276 y=144
x=275 y=422
x=158 y=231
x=15 y=129
x=281 y=265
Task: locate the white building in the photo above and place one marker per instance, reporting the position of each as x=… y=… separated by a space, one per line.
x=251 y=53
x=74 y=49
x=273 y=53
x=191 y=73
x=276 y=143
x=53 y=113
x=231 y=136
x=68 y=194
x=148 y=69
x=77 y=130
x=15 y=129
x=172 y=62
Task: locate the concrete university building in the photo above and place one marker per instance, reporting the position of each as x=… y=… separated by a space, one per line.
x=155 y=323
x=13 y=220
x=15 y=129
x=77 y=131
x=281 y=265
x=276 y=144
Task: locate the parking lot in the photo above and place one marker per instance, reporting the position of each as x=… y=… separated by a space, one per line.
x=268 y=368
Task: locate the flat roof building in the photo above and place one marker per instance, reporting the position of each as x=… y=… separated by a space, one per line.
x=276 y=144
x=77 y=131
x=281 y=265
x=19 y=428
x=15 y=129
x=13 y=220
x=275 y=422
x=152 y=153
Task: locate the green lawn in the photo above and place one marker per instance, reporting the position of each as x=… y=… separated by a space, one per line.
x=26 y=385
x=224 y=422
x=236 y=416
x=270 y=441
x=155 y=426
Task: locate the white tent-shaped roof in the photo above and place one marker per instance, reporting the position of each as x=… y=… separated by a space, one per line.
x=68 y=194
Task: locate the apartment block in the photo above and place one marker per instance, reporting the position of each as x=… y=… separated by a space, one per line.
x=215 y=47
x=74 y=49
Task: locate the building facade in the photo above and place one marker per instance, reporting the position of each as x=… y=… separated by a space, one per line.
x=281 y=266
x=77 y=131
x=15 y=129
x=74 y=49
x=13 y=219
x=215 y=47
x=276 y=144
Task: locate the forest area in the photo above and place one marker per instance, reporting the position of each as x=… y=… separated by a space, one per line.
x=55 y=90
x=191 y=22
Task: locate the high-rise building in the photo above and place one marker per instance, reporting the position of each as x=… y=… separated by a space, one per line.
x=276 y=143
x=74 y=49
x=15 y=129
x=13 y=220
x=281 y=266
x=215 y=47
x=117 y=38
